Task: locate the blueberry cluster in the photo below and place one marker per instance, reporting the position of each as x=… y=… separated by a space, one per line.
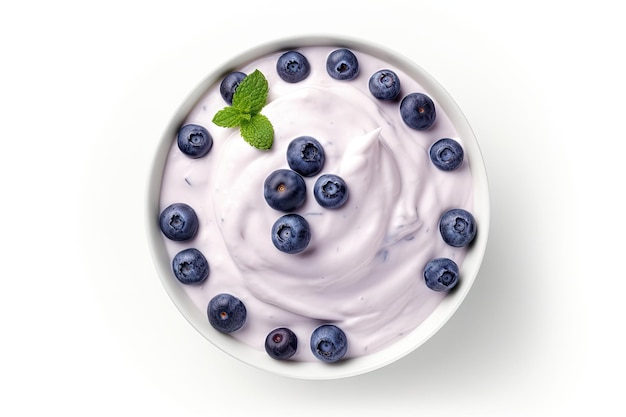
x=179 y=222
x=285 y=190
x=457 y=226
x=328 y=343
x=417 y=109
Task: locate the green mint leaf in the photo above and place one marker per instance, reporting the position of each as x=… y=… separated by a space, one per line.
x=251 y=94
x=258 y=132
x=248 y=100
x=229 y=117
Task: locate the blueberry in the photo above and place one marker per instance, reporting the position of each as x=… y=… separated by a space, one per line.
x=229 y=84
x=281 y=343
x=441 y=274
x=284 y=190
x=329 y=343
x=418 y=111
x=293 y=67
x=190 y=266
x=342 y=64
x=457 y=227
x=446 y=154
x=330 y=191
x=291 y=233
x=384 y=85
x=178 y=222
x=305 y=155
x=194 y=141
x=226 y=313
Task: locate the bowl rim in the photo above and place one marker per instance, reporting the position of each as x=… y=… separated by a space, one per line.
x=355 y=366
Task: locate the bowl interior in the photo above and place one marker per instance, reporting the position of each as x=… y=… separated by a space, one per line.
x=314 y=370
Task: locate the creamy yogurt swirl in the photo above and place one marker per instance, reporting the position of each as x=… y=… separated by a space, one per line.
x=362 y=270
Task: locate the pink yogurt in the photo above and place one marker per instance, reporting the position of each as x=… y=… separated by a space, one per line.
x=363 y=269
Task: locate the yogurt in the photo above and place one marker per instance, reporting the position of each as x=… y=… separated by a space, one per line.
x=363 y=268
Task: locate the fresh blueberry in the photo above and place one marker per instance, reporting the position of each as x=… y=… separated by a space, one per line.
x=342 y=64
x=281 y=343
x=178 y=222
x=229 y=84
x=441 y=274
x=446 y=154
x=293 y=67
x=457 y=227
x=418 y=111
x=384 y=85
x=284 y=190
x=226 y=313
x=194 y=141
x=305 y=155
x=330 y=191
x=190 y=266
x=291 y=233
x=329 y=343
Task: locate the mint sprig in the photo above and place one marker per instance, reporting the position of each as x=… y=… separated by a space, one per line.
x=249 y=98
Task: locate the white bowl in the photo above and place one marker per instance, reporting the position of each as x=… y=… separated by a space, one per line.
x=318 y=370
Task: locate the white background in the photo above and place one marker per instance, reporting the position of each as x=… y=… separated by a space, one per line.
x=86 y=327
